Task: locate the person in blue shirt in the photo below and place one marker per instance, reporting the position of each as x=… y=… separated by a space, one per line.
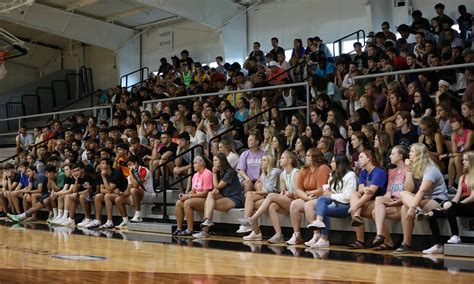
x=372 y=183
x=325 y=69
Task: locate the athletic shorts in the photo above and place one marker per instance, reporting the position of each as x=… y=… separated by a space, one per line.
x=43 y=197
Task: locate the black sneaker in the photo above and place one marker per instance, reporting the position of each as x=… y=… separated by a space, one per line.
x=3 y=214
x=404 y=248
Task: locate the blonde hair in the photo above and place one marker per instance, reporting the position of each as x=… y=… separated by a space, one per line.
x=270 y=164
x=470 y=170
x=421 y=160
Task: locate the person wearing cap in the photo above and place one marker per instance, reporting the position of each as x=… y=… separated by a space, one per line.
x=444 y=94
x=276 y=74
x=323 y=49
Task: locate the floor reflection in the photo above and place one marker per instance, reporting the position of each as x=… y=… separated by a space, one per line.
x=423 y=261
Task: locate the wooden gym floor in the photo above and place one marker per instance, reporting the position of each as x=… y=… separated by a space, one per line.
x=38 y=253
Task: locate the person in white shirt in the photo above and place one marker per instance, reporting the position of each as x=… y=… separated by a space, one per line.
x=197 y=136
x=23 y=140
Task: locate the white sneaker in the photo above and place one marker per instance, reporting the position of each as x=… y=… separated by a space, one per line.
x=61 y=220
x=69 y=223
x=313 y=240
x=55 y=220
x=316 y=224
x=107 y=225
x=454 y=240
x=434 y=249
x=253 y=237
x=136 y=219
x=321 y=243
x=121 y=226
x=243 y=229
x=84 y=222
x=295 y=240
x=93 y=224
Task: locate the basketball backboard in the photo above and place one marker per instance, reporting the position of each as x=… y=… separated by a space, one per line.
x=12 y=44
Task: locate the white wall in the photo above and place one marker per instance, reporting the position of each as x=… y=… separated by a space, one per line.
x=328 y=19
x=203 y=44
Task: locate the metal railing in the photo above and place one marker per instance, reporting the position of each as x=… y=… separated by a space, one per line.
x=340 y=40
x=218 y=136
x=166 y=184
x=410 y=71
x=142 y=77
x=54 y=115
x=307 y=106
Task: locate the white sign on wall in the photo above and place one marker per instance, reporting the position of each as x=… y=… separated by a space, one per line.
x=165 y=39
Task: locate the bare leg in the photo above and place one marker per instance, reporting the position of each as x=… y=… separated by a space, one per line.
x=189 y=206
x=179 y=211
x=296 y=208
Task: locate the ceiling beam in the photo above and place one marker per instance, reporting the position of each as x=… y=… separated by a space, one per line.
x=80 y=4
x=70 y=25
x=211 y=13
x=128 y=13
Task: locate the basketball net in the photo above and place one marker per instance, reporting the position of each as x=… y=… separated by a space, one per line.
x=3 y=70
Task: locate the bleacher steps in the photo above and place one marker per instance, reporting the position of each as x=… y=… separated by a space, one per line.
x=462 y=249
x=154 y=227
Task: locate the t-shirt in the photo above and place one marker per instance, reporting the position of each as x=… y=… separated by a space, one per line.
x=146 y=178
x=396 y=180
x=232 y=189
x=198 y=138
x=203 y=181
x=118 y=179
x=307 y=180
x=173 y=147
x=249 y=162
x=24 y=179
x=60 y=179
x=87 y=179
x=406 y=139
x=270 y=182
x=289 y=179
x=233 y=159
x=439 y=190
x=376 y=177
x=40 y=179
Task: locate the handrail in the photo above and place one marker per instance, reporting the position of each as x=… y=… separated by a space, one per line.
x=52 y=93
x=421 y=70
x=287 y=70
x=339 y=41
x=225 y=93
x=142 y=78
x=56 y=113
x=38 y=101
x=67 y=87
x=237 y=127
x=165 y=174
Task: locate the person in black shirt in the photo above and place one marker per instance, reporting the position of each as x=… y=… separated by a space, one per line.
x=419 y=21
x=112 y=184
x=10 y=181
x=163 y=150
x=276 y=49
x=464 y=22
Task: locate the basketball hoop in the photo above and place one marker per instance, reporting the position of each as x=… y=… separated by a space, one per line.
x=3 y=70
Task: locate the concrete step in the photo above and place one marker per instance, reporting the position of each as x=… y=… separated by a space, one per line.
x=462 y=249
x=154 y=227
x=7 y=152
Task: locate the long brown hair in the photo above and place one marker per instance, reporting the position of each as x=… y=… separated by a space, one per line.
x=317 y=157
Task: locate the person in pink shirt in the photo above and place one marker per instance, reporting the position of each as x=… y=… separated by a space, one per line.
x=389 y=206
x=201 y=184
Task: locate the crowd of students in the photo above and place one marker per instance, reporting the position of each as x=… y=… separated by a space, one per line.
x=374 y=148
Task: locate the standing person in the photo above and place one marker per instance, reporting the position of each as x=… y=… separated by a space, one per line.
x=372 y=183
x=389 y=206
x=424 y=188
x=335 y=199
x=226 y=194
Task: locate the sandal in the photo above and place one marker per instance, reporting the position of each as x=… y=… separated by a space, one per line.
x=379 y=239
x=357 y=245
x=357 y=221
x=384 y=247
x=177 y=232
